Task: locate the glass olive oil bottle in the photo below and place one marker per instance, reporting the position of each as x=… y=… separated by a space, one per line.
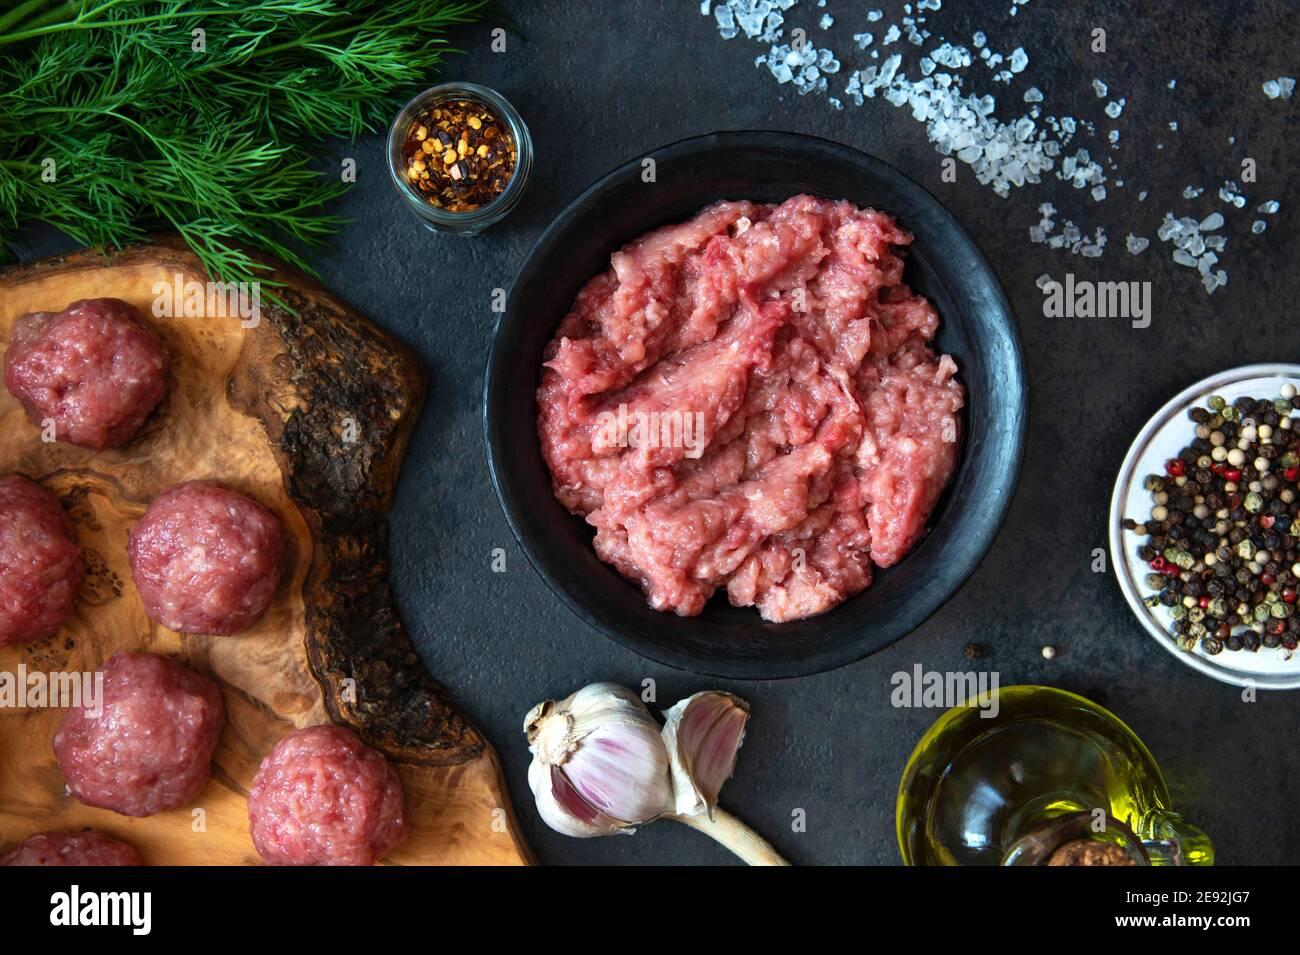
x=1051 y=779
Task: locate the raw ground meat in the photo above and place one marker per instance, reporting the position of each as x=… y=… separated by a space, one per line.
x=70 y=848
x=95 y=368
x=206 y=559
x=323 y=797
x=804 y=427
x=150 y=748
x=40 y=562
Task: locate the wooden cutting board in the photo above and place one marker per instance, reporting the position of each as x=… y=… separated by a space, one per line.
x=309 y=412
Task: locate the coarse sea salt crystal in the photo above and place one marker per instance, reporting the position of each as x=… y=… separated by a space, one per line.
x=1269 y=207
x=726 y=20
x=1136 y=245
x=1282 y=87
x=1100 y=89
x=1211 y=222
x=1114 y=108
x=1258 y=226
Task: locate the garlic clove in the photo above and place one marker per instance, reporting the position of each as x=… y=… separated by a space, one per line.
x=703 y=734
x=564 y=810
x=622 y=771
x=600 y=765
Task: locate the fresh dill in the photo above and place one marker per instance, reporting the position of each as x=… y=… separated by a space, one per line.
x=118 y=117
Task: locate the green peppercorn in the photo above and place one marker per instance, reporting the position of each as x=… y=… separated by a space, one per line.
x=1216 y=403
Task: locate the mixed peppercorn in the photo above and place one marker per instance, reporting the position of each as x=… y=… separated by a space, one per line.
x=1223 y=537
x=459 y=155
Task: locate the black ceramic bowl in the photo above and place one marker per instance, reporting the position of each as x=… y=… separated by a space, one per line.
x=976 y=327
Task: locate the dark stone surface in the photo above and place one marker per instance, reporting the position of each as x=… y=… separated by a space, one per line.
x=600 y=83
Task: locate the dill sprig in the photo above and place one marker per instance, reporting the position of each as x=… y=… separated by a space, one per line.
x=113 y=124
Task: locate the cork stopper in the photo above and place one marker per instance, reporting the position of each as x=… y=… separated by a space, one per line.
x=1088 y=852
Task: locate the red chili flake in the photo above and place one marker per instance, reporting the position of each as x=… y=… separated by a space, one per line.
x=1233 y=474
x=1175 y=467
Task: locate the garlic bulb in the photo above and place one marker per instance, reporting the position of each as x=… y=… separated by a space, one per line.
x=703 y=734
x=600 y=765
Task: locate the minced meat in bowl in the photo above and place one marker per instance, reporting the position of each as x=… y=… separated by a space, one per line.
x=975 y=327
x=748 y=402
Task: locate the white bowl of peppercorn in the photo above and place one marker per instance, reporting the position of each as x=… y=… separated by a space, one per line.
x=1205 y=526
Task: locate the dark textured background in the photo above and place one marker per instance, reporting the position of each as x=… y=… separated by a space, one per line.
x=600 y=83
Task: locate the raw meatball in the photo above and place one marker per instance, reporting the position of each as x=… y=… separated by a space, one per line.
x=150 y=749
x=70 y=848
x=95 y=368
x=40 y=563
x=323 y=797
x=205 y=559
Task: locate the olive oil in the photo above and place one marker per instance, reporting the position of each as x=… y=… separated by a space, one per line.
x=1050 y=773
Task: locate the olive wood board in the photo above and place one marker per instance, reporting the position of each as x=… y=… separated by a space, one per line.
x=309 y=412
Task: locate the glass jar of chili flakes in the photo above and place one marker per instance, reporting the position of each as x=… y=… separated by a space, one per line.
x=460 y=156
